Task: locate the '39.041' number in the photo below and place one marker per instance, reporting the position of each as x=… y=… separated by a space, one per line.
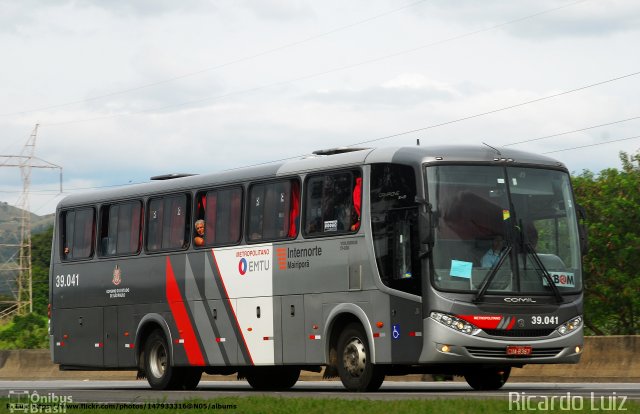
x=544 y=320
x=67 y=280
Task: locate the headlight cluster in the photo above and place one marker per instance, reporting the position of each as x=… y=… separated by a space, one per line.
x=570 y=326
x=453 y=322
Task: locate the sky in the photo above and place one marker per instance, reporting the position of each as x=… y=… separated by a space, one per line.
x=123 y=90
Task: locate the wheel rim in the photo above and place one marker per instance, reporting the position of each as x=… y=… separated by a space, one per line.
x=354 y=358
x=158 y=360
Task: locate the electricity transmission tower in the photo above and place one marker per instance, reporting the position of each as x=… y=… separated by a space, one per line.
x=18 y=272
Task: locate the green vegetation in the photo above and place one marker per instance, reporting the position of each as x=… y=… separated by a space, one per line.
x=30 y=331
x=322 y=406
x=25 y=332
x=612 y=285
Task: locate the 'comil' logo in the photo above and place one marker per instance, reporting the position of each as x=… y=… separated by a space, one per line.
x=242 y=266
x=281 y=253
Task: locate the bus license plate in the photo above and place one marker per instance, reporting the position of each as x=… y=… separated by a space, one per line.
x=518 y=350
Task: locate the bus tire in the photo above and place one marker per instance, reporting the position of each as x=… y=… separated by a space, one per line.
x=161 y=375
x=277 y=378
x=355 y=369
x=487 y=379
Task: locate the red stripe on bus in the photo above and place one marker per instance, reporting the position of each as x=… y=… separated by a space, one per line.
x=233 y=311
x=513 y=322
x=179 y=312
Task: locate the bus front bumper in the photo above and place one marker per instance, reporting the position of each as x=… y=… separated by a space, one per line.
x=443 y=344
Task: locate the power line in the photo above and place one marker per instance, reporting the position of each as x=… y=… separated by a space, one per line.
x=570 y=132
x=592 y=145
x=68 y=190
x=472 y=117
x=326 y=72
x=493 y=111
x=446 y=123
x=222 y=65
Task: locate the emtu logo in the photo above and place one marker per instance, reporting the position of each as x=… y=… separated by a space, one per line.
x=242 y=266
x=281 y=253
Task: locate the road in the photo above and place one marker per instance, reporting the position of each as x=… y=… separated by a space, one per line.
x=139 y=391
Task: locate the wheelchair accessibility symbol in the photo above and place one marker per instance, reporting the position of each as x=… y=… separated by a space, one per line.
x=396 y=332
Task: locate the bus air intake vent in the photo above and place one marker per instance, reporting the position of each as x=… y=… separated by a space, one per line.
x=339 y=150
x=519 y=333
x=169 y=176
x=501 y=352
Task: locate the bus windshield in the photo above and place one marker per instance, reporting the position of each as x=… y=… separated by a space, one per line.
x=503 y=230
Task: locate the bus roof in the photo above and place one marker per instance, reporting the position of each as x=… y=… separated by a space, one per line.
x=337 y=159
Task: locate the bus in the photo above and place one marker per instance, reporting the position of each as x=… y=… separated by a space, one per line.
x=362 y=262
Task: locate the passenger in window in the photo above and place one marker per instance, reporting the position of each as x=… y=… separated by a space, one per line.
x=66 y=251
x=492 y=256
x=198 y=240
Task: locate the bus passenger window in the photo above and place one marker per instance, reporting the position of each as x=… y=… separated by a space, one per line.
x=120 y=228
x=221 y=211
x=78 y=231
x=333 y=203
x=168 y=223
x=273 y=210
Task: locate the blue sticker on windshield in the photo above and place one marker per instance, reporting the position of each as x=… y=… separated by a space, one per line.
x=461 y=269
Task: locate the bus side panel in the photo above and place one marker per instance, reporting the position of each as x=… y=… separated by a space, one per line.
x=126 y=337
x=224 y=334
x=406 y=330
x=78 y=338
x=314 y=351
x=110 y=323
x=255 y=317
x=294 y=339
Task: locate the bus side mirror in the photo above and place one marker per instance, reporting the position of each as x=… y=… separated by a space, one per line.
x=425 y=220
x=582 y=230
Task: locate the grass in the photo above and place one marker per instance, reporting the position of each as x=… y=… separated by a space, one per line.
x=311 y=406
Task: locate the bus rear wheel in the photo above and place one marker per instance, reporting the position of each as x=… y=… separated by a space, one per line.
x=272 y=378
x=356 y=371
x=157 y=362
x=161 y=374
x=486 y=379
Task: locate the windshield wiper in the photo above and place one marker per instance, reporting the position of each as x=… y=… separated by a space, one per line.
x=545 y=273
x=487 y=280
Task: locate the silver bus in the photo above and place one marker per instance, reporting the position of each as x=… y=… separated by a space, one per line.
x=365 y=262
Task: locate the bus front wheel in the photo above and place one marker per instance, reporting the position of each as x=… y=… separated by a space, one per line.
x=486 y=379
x=356 y=371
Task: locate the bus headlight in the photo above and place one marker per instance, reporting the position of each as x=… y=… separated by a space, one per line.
x=570 y=326
x=453 y=322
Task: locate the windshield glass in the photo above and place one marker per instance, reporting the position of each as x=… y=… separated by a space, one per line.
x=491 y=221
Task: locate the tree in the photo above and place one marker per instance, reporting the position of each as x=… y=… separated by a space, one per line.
x=40 y=259
x=612 y=267
x=30 y=331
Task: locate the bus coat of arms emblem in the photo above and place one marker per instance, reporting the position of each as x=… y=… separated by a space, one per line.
x=117 y=275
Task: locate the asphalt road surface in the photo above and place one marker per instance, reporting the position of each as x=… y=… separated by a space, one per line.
x=139 y=391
